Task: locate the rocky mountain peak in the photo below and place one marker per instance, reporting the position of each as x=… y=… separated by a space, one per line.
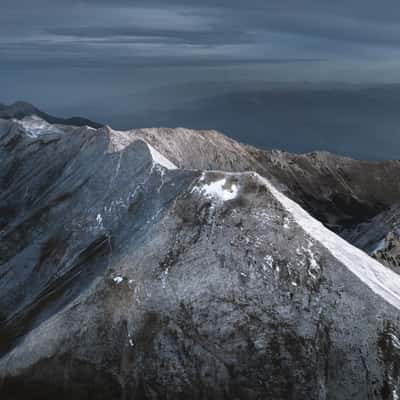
x=163 y=263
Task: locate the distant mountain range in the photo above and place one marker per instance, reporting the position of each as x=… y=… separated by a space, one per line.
x=359 y=122
x=21 y=109
x=173 y=264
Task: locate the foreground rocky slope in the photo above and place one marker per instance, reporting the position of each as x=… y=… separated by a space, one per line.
x=123 y=276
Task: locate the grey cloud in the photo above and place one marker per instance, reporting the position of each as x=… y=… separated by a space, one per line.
x=138 y=34
x=271 y=29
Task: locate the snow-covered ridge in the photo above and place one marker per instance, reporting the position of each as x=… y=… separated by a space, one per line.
x=35 y=126
x=119 y=140
x=380 y=279
x=383 y=281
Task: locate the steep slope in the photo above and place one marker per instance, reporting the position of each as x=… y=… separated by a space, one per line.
x=380 y=237
x=125 y=277
x=389 y=253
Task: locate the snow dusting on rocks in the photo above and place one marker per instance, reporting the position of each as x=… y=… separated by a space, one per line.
x=35 y=127
x=221 y=190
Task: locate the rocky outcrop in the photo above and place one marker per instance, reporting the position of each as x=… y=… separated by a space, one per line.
x=389 y=253
x=126 y=274
x=380 y=237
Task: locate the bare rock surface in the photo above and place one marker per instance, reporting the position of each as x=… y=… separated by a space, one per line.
x=130 y=270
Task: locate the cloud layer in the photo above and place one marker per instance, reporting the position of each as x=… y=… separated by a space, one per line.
x=87 y=31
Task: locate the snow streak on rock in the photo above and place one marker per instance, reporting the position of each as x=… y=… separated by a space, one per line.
x=377 y=277
x=159 y=159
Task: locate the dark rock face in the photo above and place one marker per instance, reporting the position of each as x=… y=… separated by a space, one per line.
x=380 y=237
x=122 y=277
x=389 y=254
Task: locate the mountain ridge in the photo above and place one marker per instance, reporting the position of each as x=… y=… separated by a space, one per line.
x=125 y=277
x=21 y=109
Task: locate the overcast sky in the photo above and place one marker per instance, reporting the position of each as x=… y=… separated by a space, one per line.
x=104 y=58
x=115 y=32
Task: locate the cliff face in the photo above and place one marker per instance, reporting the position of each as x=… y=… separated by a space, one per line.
x=130 y=272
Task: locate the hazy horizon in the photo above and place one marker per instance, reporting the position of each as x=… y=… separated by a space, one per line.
x=139 y=64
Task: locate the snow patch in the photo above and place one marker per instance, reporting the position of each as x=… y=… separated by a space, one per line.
x=130 y=340
x=159 y=159
x=314 y=267
x=269 y=260
x=164 y=278
x=218 y=190
x=35 y=126
x=118 y=279
x=395 y=341
x=286 y=223
x=380 y=279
